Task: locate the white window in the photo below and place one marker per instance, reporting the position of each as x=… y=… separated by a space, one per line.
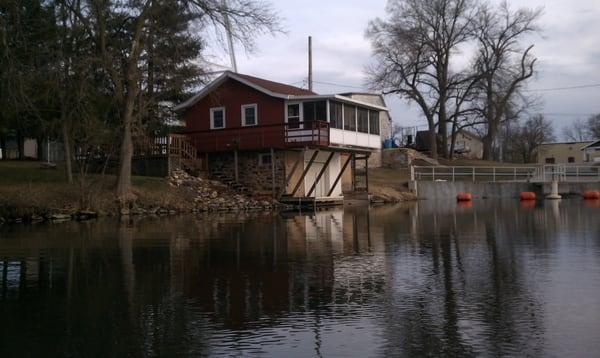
x=217 y=118
x=249 y=115
x=293 y=115
x=264 y=159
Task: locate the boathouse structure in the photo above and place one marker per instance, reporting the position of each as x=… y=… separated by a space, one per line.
x=272 y=139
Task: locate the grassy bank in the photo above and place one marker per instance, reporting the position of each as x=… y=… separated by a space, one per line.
x=28 y=187
x=390 y=184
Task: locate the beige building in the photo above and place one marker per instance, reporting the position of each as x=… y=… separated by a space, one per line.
x=468 y=145
x=562 y=153
x=591 y=152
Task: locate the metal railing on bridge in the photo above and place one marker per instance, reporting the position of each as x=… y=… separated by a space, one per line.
x=537 y=173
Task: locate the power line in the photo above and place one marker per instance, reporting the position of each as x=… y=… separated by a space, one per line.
x=337 y=84
x=566 y=114
x=549 y=89
x=562 y=88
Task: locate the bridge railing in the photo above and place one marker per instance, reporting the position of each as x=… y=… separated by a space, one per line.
x=537 y=173
x=571 y=173
x=465 y=173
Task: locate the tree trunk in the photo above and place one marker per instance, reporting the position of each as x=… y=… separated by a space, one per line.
x=21 y=146
x=3 y=147
x=487 y=147
x=443 y=131
x=453 y=140
x=433 y=142
x=67 y=151
x=39 y=149
x=124 y=192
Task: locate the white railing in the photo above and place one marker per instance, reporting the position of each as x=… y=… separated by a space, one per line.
x=540 y=173
x=571 y=173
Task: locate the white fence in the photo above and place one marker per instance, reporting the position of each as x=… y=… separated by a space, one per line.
x=540 y=173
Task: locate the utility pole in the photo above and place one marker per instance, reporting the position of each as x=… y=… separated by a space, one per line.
x=229 y=36
x=310 y=79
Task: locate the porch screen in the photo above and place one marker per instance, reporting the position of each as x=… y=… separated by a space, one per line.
x=349 y=117
x=314 y=111
x=335 y=115
x=373 y=122
x=363 y=120
x=293 y=114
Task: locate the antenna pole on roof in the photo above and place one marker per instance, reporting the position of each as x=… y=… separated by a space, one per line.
x=310 y=80
x=229 y=35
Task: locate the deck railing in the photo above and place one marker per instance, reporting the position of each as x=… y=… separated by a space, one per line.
x=538 y=173
x=284 y=135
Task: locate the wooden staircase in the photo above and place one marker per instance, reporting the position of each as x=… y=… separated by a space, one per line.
x=183 y=155
x=228 y=180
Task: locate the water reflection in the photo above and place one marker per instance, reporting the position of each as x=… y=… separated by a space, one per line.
x=428 y=278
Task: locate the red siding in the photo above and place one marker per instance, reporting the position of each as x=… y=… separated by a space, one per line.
x=232 y=95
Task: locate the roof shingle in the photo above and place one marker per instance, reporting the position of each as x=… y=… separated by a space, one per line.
x=276 y=86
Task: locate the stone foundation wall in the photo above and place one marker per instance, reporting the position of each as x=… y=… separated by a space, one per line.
x=252 y=174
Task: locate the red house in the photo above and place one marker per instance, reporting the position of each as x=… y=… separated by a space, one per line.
x=269 y=137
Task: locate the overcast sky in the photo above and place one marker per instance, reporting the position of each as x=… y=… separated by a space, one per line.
x=568 y=50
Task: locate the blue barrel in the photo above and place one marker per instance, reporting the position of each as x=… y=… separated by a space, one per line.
x=387 y=144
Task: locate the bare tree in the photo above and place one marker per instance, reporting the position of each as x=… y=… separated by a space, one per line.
x=577 y=131
x=593 y=126
x=535 y=131
x=120 y=31
x=413 y=51
x=503 y=64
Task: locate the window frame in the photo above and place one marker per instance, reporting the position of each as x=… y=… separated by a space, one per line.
x=212 y=117
x=340 y=125
x=376 y=121
x=244 y=107
x=300 y=112
x=347 y=122
x=362 y=122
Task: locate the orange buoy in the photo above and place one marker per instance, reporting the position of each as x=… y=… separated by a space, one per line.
x=591 y=194
x=527 y=204
x=464 y=204
x=527 y=195
x=464 y=197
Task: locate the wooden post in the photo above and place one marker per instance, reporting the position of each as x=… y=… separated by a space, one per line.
x=367 y=173
x=235 y=163
x=473 y=174
x=310 y=80
x=353 y=172
x=273 y=172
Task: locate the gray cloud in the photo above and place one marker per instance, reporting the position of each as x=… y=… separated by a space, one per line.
x=568 y=51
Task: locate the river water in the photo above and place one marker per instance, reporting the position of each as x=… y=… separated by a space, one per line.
x=428 y=278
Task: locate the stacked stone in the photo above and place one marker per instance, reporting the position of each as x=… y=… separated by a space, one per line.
x=211 y=195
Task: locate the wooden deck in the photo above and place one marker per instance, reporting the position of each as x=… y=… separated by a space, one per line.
x=306 y=201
